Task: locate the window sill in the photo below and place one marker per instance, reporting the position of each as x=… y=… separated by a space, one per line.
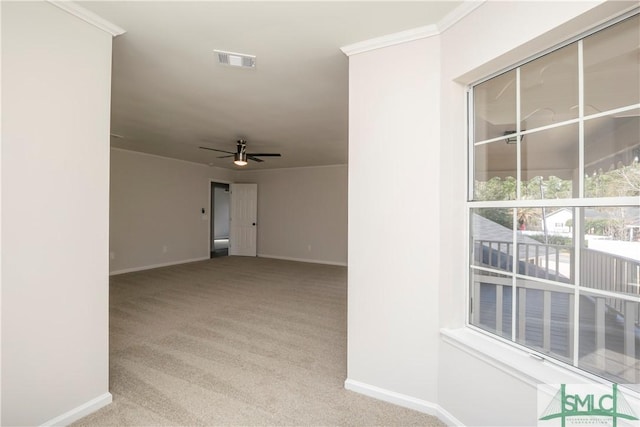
x=525 y=366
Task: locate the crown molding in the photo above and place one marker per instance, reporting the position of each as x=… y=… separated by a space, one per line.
x=390 y=40
x=416 y=33
x=458 y=13
x=86 y=15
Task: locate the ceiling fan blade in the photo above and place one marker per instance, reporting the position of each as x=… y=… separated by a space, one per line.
x=215 y=149
x=265 y=154
x=255 y=159
x=224 y=157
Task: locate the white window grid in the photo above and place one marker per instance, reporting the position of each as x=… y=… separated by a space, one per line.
x=572 y=203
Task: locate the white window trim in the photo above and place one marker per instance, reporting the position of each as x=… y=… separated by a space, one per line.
x=506 y=354
x=567 y=42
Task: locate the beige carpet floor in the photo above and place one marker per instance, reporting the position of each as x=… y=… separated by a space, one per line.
x=235 y=341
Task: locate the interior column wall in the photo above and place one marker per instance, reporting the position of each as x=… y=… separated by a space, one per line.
x=56 y=83
x=394 y=134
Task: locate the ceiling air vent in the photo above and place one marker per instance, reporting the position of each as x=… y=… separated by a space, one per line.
x=236 y=59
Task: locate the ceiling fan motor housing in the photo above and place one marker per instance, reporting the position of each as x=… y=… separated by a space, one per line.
x=241 y=146
x=240 y=158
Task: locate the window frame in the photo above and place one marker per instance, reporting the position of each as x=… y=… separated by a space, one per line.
x=573 y=203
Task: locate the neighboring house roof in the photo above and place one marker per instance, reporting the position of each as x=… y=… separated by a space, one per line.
x=487 y=230
x=495 y=253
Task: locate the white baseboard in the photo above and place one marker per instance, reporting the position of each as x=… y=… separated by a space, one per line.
x=150 y=267
x=403 y=400
x=448 y=418
x=81 y=411
x=313 y=261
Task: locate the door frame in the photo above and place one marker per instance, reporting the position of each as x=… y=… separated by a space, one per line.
x=214 y=181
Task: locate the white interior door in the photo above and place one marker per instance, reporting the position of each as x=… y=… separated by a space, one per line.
x=244 y=217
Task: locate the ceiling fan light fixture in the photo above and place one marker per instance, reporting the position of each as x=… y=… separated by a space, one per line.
x=240 y=159
x=512 y=138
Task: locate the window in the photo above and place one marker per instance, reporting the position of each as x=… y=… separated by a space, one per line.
x=554 y=203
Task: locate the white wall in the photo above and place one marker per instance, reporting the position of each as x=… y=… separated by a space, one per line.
x=393 y=287
x=156 y=210
x=496 y=398
x=56 y=81
x=156 y=202
x=302 y=213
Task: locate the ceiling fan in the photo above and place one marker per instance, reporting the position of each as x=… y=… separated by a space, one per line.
x=240 y=156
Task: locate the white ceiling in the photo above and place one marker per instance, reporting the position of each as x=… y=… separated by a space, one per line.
x=170 y=95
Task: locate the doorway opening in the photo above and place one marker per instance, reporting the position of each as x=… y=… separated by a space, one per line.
x=220 y=205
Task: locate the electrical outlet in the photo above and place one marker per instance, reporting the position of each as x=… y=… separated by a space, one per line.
x=308 y=248
x=112 y=255
x=164 y=249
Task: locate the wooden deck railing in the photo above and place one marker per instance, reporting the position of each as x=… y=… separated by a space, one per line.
x=600 y=270
x=609 y=326
x=535 y=259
